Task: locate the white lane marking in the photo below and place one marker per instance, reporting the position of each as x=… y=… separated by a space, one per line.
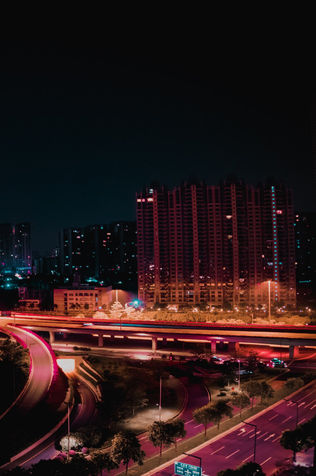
x=243 y=430
x=286 y=419
x=248 y=433
x=244 y=460
x=218 y=449
x=265 y=433
x=305 y=396
x=188 y=421
x=268 y=438
x=313 y=407
x=201 y=424
x=231 y=454
x=310 y=403
x=272 y=418
x=301 y=404
x=301 y=421
x=265 y=461
x=276 y=439
x=142 y=438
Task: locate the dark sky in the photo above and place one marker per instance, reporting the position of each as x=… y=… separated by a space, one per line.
x=83 y=127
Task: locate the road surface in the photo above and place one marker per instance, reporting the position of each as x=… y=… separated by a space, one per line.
x=237 y=446
x=43 y=368
x=197 y=397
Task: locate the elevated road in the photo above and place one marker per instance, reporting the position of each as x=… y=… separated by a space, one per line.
x=258 y=334
x=43 y=367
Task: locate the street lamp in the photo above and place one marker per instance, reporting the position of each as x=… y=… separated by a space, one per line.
x=269 y=299
x=238 y=374
x=255 y=439
x=160 y=394
x=197 y=457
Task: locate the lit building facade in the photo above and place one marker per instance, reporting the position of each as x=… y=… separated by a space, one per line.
x=217 y=245
x=15 y=248
x=305 y=242
x=101 y=252
x=85 y=299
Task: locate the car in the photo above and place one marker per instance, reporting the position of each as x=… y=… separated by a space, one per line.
x=277 y=363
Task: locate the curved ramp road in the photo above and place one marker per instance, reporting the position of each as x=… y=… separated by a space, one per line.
x=43 y=369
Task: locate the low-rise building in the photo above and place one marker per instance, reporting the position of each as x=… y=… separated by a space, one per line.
x=82 y=300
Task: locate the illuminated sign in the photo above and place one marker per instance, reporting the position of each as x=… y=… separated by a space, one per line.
x=187 y=469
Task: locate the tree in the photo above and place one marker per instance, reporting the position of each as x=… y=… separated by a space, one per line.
x=49 y=467
x=17 y=471
x=252 y=361
x=176 y=430
x=241 y=400
x=253 y=389
x=75 y=442
x=294 y=383
x=229 y=472
x=202 y=416
x=218 y=410
x=293 y=440
x=247 y=469
x=91 y=436
x=78 y=464
x=266 y=391
x=102 y=461
x=251 y=469
x=309 y=436
x=160 y=435
x=13 y=353
x=125 y=446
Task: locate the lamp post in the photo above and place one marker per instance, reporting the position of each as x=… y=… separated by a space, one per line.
x=269 y=299
x=160 y=395
x=255 y=439
x=197 y=457
x=238 y=374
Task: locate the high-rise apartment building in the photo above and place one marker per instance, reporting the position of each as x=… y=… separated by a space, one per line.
x=305 y=241
x=15 y=248
x=103 y=252
x=219 y=245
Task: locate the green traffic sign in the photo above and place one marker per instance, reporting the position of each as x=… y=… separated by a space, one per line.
x=184 y=469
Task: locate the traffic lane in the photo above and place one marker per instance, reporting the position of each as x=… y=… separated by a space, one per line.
x=86 y=410
x=237 y=447
x=197 y=397
x=41 y=372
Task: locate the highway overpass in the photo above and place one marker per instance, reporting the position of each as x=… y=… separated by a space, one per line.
x=291 y=336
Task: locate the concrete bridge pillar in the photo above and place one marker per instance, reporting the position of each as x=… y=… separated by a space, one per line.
x=213 y=347
x=293 y=351
x=154 y=344
x=51 y=337
x=100 y=340
x=233 y=347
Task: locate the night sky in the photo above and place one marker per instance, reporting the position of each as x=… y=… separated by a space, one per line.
x=85 y=127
